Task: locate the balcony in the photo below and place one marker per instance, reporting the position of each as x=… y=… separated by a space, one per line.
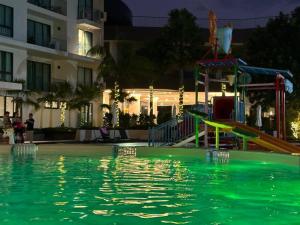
x=9 y=86
x=90 y=18
x=57 y=6
x=56 y=44
x=6 y=31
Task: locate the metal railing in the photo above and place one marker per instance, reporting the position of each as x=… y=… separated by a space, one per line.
x=54 y=43
x=91 y=14
x=58 y=44
x=172 y=131
x=6 y=31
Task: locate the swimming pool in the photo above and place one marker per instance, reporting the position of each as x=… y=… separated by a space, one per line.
x=161 y=186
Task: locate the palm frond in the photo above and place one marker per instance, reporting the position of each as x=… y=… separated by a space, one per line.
x=105 y=106
x=97 y=50
x=131 y=99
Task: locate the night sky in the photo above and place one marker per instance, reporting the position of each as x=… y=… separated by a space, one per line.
x=224 y=9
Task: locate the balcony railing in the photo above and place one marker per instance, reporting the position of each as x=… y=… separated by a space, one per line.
x=5 y=76
x=58 y=7
x=92 y=15
x=6 y=31
x=55 y=43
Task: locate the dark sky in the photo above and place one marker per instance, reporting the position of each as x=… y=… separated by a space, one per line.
x=224 y=9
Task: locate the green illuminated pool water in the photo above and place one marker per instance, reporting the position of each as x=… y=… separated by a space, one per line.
x=167 y=189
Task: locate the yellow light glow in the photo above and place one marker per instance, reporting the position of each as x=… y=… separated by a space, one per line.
x=295 y=127
x=63 y=107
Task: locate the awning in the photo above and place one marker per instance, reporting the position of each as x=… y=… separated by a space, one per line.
x=289 y=86
x=252 y=70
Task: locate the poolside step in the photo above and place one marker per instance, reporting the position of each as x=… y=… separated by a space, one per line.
x=24 y=149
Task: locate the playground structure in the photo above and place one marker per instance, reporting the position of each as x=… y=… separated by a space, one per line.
x=228 y=113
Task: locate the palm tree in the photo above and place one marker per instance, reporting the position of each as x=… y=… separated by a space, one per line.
x=61 y=92
x=178 y=46
x=24 y=96
x=110 y=68
x=83 y=96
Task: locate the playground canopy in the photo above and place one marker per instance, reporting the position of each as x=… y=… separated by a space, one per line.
x=244 y=68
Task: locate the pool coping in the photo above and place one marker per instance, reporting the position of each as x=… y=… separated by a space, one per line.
x=69 y=149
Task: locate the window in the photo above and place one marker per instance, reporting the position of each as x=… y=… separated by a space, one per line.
x=41 y=3
x=85 y=9
x=38 y=33
x=10 y=105
x=6 y=21
x=6 y=66
x=86 y=115
x=85 y=41
x=38 y=76
x=85 y=76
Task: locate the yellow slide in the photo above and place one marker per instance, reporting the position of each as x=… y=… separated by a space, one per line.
x=267 y=141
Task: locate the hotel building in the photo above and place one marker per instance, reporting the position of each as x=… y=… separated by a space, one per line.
x=43 y=42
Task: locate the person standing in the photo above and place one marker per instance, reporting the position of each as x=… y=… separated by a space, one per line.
x=6 y=121
x=29 y=128
x=8 y=128
x=18 y=128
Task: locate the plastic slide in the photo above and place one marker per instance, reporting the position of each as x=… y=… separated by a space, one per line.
x=250 y=134
x=267 y=141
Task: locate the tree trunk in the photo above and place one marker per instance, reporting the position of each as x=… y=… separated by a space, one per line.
x=151 y=103
x=116 y=102
x=181 y=92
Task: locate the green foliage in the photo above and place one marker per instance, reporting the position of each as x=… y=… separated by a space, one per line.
x=128 y=121
x=127 y=67
x=107 y=120
x=123 y=97
x=277 y=46
x=163 y=116
x=180 y=42
x=83 y=96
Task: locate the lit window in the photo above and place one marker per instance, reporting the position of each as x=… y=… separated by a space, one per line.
x=85 y=41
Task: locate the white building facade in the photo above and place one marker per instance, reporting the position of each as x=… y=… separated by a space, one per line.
x=46 y=41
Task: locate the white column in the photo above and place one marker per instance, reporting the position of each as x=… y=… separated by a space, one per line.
x=155 y=101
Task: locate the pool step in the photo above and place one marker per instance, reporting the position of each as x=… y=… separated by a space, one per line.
x=24 y=149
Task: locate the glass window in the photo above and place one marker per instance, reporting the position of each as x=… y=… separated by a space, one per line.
x=38 y=33
x=6 y=66
x=86 y=115
x=85 y=9
x=46 y=4
x=6 y=21
x=85 y=41
x=8 y=104
x=38 y=76
x=80 y=79
x=85 y=76
x=88 y=77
